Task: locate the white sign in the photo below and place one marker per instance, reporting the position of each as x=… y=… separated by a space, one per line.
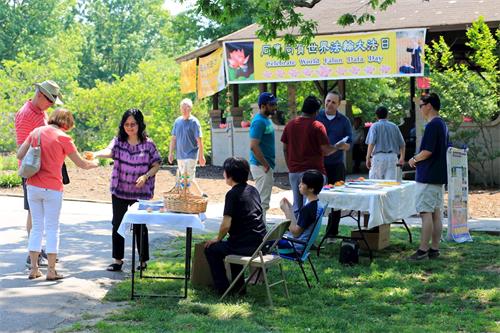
x=458 y=189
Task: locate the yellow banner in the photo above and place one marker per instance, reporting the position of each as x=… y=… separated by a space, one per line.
x=188 y=76
x=211 y=74
x=363 y=55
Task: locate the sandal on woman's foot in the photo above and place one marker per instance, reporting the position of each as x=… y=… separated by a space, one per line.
x=34 y=275
x=55 y=277
x=114 y=267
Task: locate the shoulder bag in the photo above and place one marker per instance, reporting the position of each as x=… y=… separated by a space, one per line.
x=30 y=164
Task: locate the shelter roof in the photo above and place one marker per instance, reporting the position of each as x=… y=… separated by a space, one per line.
x=435 y=15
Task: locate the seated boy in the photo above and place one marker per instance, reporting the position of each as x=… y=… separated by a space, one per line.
x=302 y=227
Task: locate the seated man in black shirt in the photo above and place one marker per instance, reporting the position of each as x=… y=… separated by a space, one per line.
x=242 y=221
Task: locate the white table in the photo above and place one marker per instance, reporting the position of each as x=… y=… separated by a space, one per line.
x=170 y=221
x=386 y=205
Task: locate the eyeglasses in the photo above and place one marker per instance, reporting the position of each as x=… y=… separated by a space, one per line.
x=48 y=99
x=131 y=125
x=420 y=106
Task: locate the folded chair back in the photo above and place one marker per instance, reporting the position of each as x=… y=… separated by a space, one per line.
x=314 y=234
x=272 y=238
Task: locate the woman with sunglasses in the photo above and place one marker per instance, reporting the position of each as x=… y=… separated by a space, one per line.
x=136 y=162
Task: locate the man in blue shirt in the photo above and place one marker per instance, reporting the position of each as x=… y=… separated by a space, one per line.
x=262 y=148
x=186 y=142
x=431 y=176
x=337 y=127
x=384 y=142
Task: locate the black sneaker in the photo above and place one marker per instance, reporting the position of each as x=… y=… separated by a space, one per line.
x=43 y=254
x=418 y=255
x=42 y=262
x=433 y=254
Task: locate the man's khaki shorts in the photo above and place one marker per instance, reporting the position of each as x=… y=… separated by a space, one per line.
x=187 y=166
x=429 y=197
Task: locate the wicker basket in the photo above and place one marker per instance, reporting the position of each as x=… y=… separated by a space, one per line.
x=180 y=200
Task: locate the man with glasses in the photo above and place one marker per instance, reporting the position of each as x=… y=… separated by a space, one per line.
x=337 y=127
x=33 y=114
x=262 y=149
x=430 y=163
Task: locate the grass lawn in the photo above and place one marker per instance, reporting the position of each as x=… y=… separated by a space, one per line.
x=458 y=292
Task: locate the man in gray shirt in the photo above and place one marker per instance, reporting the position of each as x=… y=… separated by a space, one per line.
x=384 y=141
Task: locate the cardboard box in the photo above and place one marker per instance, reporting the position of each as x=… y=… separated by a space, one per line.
x=378 y=238
x=201 y=276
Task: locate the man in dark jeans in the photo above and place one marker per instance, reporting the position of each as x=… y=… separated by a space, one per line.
x=243 y=221
x=337 y=127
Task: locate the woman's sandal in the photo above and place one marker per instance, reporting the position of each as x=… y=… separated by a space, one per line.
x=36 y=275
x=55 y=277
x=114 y=267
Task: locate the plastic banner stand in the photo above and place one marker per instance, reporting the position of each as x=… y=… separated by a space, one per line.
x=458 y=190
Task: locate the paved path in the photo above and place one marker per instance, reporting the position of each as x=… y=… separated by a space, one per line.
x=85 y=250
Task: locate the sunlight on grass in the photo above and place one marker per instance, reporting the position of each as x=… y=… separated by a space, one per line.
x=457 y=292
x=223 y=311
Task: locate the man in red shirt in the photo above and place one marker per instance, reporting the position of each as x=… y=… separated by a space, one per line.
x=32 y=115
x=305 y=144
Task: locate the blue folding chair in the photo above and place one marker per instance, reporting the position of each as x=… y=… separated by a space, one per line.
x=301 y=257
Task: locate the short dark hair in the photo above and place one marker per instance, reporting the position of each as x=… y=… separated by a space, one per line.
x=139 y=118
x=311 y=105
x=237 y=168
x=313 y=179
x=432 y=99
x=381 y=112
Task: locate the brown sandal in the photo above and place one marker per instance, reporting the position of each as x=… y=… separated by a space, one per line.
x=36 y=275
x=56 y=276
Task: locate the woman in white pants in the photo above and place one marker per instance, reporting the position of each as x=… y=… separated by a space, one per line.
x=45 y=188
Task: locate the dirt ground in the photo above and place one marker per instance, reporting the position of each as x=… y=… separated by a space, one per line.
x=94 y=185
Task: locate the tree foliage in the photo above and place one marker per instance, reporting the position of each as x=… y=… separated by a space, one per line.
x=118 y=35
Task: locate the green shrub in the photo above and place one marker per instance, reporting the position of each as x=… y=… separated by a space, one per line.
x=10 y=180
x=8 y=162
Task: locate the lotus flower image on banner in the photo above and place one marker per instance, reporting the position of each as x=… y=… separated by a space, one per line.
x=188 y=76
x=346 y=56
x=211 y=74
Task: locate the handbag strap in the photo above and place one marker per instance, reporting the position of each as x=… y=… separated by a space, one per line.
x=39 y=137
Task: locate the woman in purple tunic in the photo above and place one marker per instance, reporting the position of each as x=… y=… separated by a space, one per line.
x=136 y=162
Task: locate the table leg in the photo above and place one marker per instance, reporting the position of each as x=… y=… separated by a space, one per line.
x=403 y=222
x=187 y=263
x=133 y=265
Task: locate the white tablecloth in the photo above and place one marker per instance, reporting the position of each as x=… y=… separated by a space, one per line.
x=385 y=205
x=170 y=221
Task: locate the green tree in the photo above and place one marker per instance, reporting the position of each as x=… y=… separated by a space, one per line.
x=190 y=29
x=25 y=24
x=118 y=35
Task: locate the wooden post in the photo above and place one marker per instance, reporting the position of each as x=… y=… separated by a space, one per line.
x=274 y=87
x=215 y=101
x=341 y=87
x=292 y=99
x=236 y=95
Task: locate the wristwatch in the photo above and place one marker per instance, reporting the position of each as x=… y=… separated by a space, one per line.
x=414 y=159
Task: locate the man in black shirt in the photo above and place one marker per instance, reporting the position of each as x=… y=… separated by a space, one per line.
x=242 y=221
